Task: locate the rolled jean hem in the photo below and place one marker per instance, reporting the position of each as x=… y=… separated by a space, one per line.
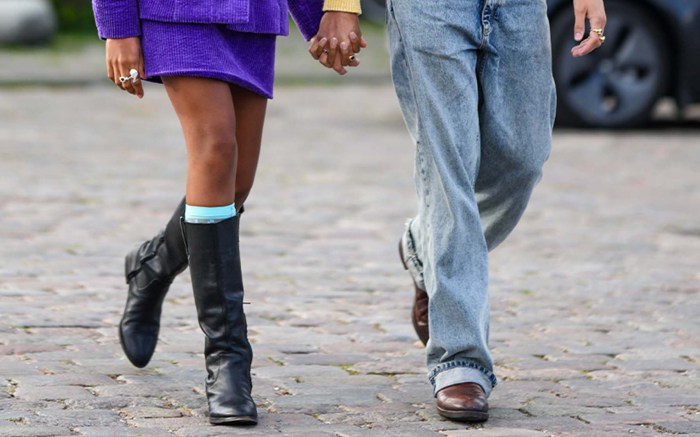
x=459 y=372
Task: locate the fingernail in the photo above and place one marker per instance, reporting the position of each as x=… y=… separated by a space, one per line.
x=334 y=42
x=578 y=36
x=323 y=41
x=344 y=45
x=353 y=36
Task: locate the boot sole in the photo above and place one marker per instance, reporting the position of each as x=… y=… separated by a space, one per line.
x=464 y=416
x=234 y=420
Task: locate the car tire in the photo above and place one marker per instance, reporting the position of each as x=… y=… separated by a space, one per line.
x=618 y=85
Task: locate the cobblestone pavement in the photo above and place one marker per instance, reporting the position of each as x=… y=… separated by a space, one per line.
x=594 y=298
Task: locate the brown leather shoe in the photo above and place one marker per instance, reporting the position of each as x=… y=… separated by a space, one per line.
x=464 y=402
x=419 y=313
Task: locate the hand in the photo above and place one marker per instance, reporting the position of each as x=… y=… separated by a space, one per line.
x=122 y=56
x=338 y=39
x=594 y=11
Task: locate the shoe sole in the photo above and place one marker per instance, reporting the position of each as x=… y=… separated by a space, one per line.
x=234 y=421
x=464 y=416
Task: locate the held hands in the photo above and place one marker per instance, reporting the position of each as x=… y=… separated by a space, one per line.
x=338 y=40
x=124 y=55
x=594 y=11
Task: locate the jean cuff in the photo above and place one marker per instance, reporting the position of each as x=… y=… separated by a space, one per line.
x=461 y=371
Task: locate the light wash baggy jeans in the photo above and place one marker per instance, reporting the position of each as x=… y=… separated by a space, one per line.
x=475 y=86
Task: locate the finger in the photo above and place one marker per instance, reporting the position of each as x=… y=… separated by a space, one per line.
x=142 y=75
x=344 y=53
x=333 y=51
x=579 y=21
x=597 y=19
x=138 y=87
x=127 y=85
x=363 y=43
x=323 y=59
x=322 y=46
x=338 y=66
x=587 y=45
x=142 y=69
x=354 y=62
x=117 y=82
x=355 y=42
x=110 y=71
x=313 y=48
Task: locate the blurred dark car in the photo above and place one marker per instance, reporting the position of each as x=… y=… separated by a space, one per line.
x=652 y=51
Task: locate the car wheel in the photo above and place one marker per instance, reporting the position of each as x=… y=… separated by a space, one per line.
x=618 y=84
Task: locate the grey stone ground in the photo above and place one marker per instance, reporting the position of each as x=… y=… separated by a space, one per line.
x=594 y=298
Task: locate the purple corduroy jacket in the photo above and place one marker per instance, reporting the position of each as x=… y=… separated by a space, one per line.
x=122 y=18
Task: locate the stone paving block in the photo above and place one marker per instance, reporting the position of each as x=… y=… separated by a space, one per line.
x=679 y=426
x=33 y=431
x=52 y=393
x=74 y=418
x=298 y=371
x=325 y=359
x=122 y=432
x=495 y=432
x=23 y=349
x=149 y=412
x=66 y=379
x=105 y=402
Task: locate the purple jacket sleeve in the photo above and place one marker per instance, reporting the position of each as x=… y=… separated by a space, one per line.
x=307 y=14
x=117 y=18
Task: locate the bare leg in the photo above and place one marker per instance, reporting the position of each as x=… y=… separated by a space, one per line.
x=250 y=114
x=207 y=115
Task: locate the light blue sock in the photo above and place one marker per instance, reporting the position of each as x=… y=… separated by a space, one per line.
x=209 y=215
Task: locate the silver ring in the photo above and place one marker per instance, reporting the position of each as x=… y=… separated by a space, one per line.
x=325 y=51
x=352 y=57
x=133 y=76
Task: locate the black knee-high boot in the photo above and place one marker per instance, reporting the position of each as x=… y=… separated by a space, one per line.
x=215 y=268
x=150 y=269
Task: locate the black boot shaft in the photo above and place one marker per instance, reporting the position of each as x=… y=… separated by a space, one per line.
x=163 y=257
x=215 y=268
x=149 y=270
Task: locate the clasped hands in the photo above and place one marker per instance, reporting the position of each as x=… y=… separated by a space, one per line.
x=338 y=40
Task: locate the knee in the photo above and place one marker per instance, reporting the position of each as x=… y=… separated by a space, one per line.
x=214 y=152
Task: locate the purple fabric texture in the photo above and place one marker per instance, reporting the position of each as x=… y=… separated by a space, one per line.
x=229 y=40
x=121 y=18
x=209 y=50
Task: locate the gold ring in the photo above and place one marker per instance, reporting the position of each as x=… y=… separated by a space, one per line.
x=599 y=32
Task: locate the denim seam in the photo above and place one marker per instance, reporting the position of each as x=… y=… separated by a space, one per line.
x=411 y=249
x=461 y=363
x=419 y=154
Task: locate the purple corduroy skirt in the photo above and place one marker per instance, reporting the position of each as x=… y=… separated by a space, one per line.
x=209 y=50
